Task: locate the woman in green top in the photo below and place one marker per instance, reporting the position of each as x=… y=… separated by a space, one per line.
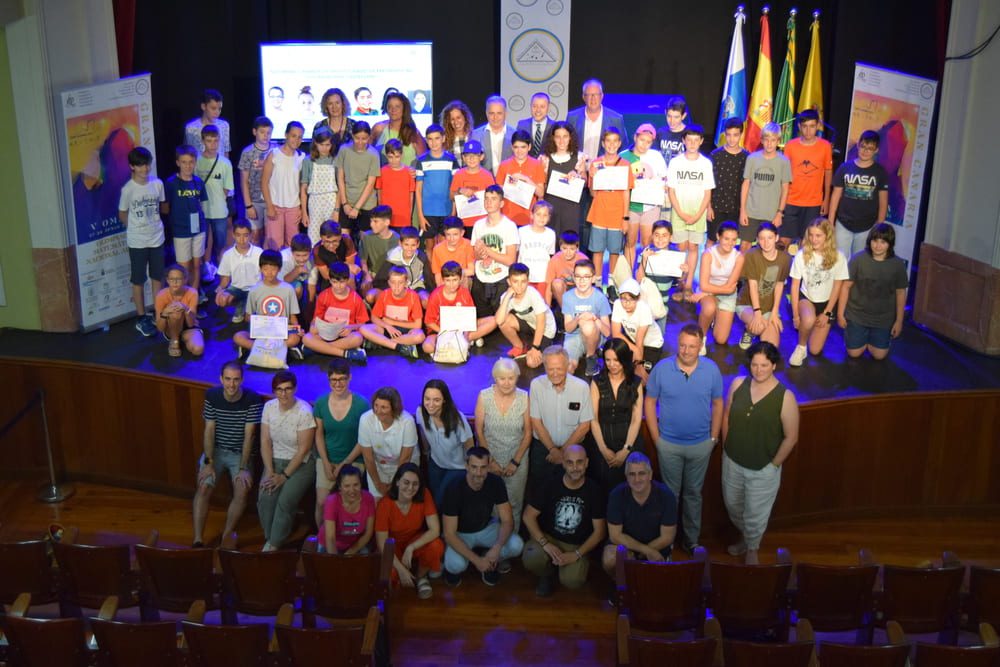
x=760 y=427
x=337 y=416
x=400 y=126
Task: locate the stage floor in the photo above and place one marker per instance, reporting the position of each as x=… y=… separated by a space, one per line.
x=919 y=361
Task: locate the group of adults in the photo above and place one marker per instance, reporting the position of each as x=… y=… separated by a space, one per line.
x=562 y=465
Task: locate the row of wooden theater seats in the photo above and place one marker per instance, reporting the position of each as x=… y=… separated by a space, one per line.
x=344 y=588
x=760 y=601
x=67 y=643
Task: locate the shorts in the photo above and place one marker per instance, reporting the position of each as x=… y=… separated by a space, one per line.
x=239 y=296
x=434 y=227
x=486 y=296
x=525 y=329
x=857 y=336
x=742 y=309
x=260 y=208
x=609 y=240
x=682 y=235
x=644 y=219
x=222 y=460
x=726 y=302
x=819 y=306
x=712 y=226
x=363 y=223
x=748 y=234
x=140 y=259
x=574 y=346
x=186 y=249
x=796 y=219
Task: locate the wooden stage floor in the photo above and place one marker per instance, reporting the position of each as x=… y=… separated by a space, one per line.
x=476 y=625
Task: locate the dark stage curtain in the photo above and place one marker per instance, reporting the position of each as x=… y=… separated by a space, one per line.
x=633 y=47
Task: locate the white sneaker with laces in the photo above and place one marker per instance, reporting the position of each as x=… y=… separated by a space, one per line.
x=798 y=356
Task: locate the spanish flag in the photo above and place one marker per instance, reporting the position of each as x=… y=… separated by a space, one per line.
x=762 y=96
x=812 y=85
x=784 y=103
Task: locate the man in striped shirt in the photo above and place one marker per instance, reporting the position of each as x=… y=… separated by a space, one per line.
x=232 y=415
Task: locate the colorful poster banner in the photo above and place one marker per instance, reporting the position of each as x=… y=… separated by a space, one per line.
x=534 y=55
x=102 y=123
x=900 y=107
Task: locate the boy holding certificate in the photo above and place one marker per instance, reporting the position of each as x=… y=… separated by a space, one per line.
x=690 y=181
x=469 y=180
x=397 y=317
x=450 y=292
x=274 y=298
x=517 y=175
x=340 y=312
x=609 y=211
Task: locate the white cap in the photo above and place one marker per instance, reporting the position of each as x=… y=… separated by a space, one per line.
x=630 y=286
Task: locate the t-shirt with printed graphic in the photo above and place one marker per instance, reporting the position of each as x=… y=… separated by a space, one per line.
x=218 y=183
x=527 y=309
x=858 y=208
x=728 y=171
x=574 y=304
x=766 y=176
x=435 y=173
x=142 y=201
x=689 y=179
x=767 y=273
x=817 y=282
x=646 y=166
x=252 y=162
x=272 y=300
x=497 y=237
x=567 y=514
x=872 y=299
x=809 y=163
x=536 y=249
x=670 y=143
x=192 y=134
x=642 y=316
x=185 y=198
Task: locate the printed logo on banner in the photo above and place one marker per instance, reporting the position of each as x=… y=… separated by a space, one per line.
x=536 y=55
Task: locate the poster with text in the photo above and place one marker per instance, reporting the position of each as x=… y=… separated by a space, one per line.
x=102 y=123
x=900 y=107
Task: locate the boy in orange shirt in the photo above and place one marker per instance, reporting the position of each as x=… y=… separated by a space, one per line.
x=609 y=212
x=397 y=317
x=812 y=178
x=450 y=292
x=396 y=185
x=454 y=248
x=338 y=304
x=559 y=275
x=521 y=167
x=471 y=179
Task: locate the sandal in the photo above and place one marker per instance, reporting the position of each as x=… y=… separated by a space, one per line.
x=424 y=589
x=174 y=349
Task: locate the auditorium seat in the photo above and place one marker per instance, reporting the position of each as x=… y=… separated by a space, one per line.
x=836 y=598
x=353 y=644
x=26 y=568
x=750 y=601
x=657 y=652
x=983 y=602
x=172 y=579
x=854 y=655
x=257 y=583
x=214 y=645
x=88 y=574
x=922 y=600
x=767 y=654
x=59 y=641
x=148 y=644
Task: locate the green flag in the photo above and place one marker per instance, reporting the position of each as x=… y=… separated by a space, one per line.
x=784 y=101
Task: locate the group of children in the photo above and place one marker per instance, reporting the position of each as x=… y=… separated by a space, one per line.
x=386 y=247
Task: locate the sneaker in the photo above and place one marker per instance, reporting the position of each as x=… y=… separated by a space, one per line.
x=478 y=342
x=591 y=367
x=201 y=314
x=544 y=587
x=704 y=349
x=208 y=271
x=408 y=351
x=453 y=580
x=746 y=340
x=241 y=353
x=517 y=353
x=202 y=297
x=197 y=544
x=690 y=547
x=798 y=356
x=238 y=317
x=298 y=352
x=357 y=355
x=145 y=326
x=424 y=590
x=491 y=577
x=737 y=549
x=435 y=574
x=504 y=567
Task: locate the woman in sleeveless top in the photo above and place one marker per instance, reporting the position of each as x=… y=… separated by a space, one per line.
x=760 y=427
x=279 y=183
x=721 y=266
x=616 y=393
x=561 y=155
x=337 y=111
x=400 y=126
x=503 y=426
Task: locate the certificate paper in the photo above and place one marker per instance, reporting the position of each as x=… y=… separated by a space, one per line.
x=518 y=191
x=329 y=331
x=399 y=313
x=470 y=207
x=564 y=187
x=666 y=263
x=268 y=326
x=610 y=178
x=648 y=191
x=458 y=318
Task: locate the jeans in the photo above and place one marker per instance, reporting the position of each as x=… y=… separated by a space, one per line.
x=683 y=469
x=749 y=496
x=456 y=563
x=277 y=510
x=439 y=478
x=848 y=242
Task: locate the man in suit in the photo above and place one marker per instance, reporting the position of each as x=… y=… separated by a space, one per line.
x=495 y=134
x=539 y=126
x=590 y=121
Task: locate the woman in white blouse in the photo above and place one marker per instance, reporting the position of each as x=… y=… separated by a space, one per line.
x=388 y=436
x=287 y=432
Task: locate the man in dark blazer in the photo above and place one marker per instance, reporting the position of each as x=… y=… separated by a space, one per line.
x=595 y=111
x=495 y=134
x=539 y=125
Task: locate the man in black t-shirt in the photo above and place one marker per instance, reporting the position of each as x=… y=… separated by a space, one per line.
x=232 y=415
x=468 y=509
x=566 y=522
x=642 y=515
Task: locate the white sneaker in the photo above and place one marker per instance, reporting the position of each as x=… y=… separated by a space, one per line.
x=746 y=340
x=798 y=356
x=704 y=349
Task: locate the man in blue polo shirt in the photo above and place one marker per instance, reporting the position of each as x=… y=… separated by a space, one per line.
x=688 y=389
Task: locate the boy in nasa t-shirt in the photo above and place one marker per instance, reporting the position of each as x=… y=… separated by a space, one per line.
x=690 y=181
